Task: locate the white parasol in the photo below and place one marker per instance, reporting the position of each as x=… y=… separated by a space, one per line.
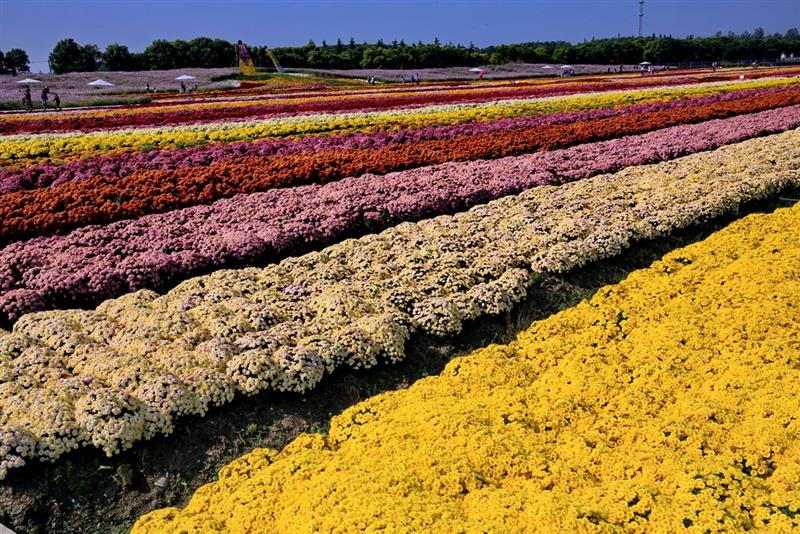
x=29 y=80
x=185 y=77
x=100 y=83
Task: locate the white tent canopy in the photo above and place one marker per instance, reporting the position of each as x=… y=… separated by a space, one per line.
x=185 y=77
x=547 y=66
x=29 y=80
x=645 y=63
x=566 y=66
x=476 y=69
x=100 y=83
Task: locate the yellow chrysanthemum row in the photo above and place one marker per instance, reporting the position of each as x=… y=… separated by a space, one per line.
x=666 y=402
x=65 y=146
x=124 y=371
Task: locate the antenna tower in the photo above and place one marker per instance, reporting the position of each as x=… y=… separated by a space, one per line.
x=641 y=16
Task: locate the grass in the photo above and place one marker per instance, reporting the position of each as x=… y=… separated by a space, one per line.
x=17 y=106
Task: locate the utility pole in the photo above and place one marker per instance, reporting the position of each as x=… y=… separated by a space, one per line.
x=641 y=16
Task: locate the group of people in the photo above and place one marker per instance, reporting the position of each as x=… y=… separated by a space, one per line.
x=413 y=79
x=189 y=90
x=27 y=101
x=183 y=88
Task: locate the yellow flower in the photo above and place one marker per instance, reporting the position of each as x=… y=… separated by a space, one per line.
x=667 y=401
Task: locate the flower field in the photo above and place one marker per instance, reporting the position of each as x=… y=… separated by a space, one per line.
x=72 y=87
x=166 y=260
x=665 y=402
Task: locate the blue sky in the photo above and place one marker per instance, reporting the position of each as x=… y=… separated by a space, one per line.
x=36 y=25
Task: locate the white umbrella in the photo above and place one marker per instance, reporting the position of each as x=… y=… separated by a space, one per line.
x=185 y=77
x=100 y=83
x=29 y=80
x=547 y=67
x=476 y=69
x=566 y=66
x=645 y=63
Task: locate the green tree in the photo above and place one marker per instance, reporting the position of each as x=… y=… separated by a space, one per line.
x=212 y=53
x=160 y=55
x=564 y=54
x=90 y=58
x=69 y=56
x=118 y=57
x=373 y=58
x=665 y=50
x=16 y=60
x=65 y=56
x=182 y=54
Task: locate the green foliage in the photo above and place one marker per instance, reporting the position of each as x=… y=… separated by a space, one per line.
x=14 y=105
x=117 y=57
x=201 y=52
x=204 y=52
x=160 y=55
x=611 y=51
x=16 y=60
x=69 y=56
x=210 y=53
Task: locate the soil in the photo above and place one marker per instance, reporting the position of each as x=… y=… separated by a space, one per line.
x=86 y=492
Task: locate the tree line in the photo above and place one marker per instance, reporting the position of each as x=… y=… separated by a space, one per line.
x=608 y=51
x=202 y=52
x=205 y=52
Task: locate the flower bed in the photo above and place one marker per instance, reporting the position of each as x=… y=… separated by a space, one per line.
x=202 y=156
x=29 y=149
x=100 y=200
x=198 y=113
x=123 y=372
x=667 y=402
x=154 y=252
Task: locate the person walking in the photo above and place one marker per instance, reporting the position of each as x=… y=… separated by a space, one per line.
x=56 y=102
x=44 y=96
x=183 y=87
x=26 y=99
